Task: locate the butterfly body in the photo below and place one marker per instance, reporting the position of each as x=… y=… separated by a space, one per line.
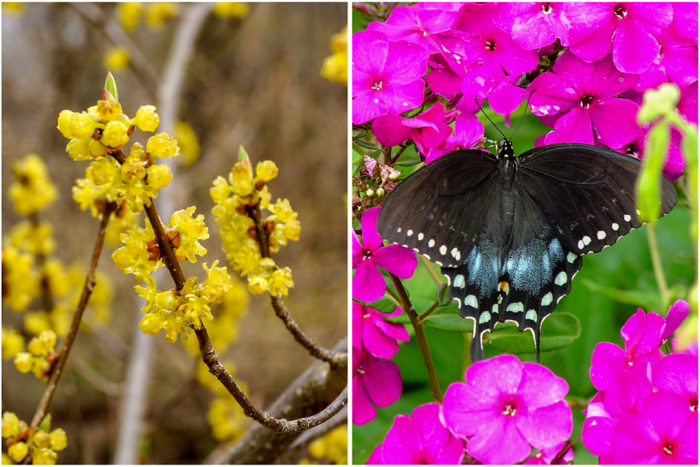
x=509 y=232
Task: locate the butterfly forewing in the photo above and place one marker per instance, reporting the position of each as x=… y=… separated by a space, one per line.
x=440 y=210
x=586 y=192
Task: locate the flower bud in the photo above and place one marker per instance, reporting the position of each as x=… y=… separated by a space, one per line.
x=146 y=118
x=18 y=451
x=266 y=170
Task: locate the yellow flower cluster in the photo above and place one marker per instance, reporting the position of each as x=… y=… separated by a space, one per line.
x=12 y=342
x=41 y=356
x=19 y=278
x=227 y=420
x=231 y=9
x=335 y=67
x=32 y=189
x=40 y=445
x=156 y=14
x=332 y=448
x=103 y=130
x=235 y=201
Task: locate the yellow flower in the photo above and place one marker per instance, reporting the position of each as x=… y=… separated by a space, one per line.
x=35 y=322
x=159 y=176
x=82 y=125
x=191 y=230
x=42 y=439
x=32 y=189
x=332 y=447
x=227 y=420
x=128 y=14
x=266 y=170
x=189 y=144
x=43 y=344
x=116 y=59
x=12 y=343
x=115 y=134
x=146 y=118
x=335 y=67
x=161 y=145
x=242 y=178
x=18 y=451
x=158 y=13
x=220 y=190
x=20 y=281
x=107 y=110
x=24 y=362
x=10 y=425
x=151 y=324
x=218 y=282
x=257 y=284
x=44 y=457
x=59 y=440
x=231 y=9
x=281 y=281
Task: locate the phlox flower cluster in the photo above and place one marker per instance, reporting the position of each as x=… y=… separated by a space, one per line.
x=103 y=130
x=503 y=410
x=584 y=66
x=646 y=408
x=376 y=380
x=40 y=446
x=239 y=202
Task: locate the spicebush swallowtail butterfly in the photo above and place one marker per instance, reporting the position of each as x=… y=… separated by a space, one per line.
x=509 y=232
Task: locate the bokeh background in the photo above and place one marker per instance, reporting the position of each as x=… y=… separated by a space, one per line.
x=253 y=80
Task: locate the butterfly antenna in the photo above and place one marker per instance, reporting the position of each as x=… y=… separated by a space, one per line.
x=487 y=118
x=527 y=105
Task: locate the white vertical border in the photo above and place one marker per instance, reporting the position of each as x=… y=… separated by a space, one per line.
x=349 y=229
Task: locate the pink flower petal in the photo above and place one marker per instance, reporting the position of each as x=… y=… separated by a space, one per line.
x=678 y=373
x=488 y=445
x=506 y=97
x=590 y=36
x=396 y=259
x=368 y=105
x=390 y=130
x=634 y=48
x=370 y=236
x=362 y=409
x=368 y=283
x=378 y=343
x=574 y=127
x=615 y=121
x=402 y=444
x=382 y=380
x=540 y=387
x=597 y=435
x=404 y=97
x=547 y=426
x=607 y=361
x=551 y=95
x=676 y=314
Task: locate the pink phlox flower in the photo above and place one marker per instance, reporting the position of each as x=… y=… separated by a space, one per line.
x=533 y=25
x=506 y=407
x=468 y=132
x=372 y=332
x=663 y=430
x=417 y=24
x=546 y=456
x=375 y=382
x=427 y=130
x=387 y=77
x=368 y=282
x=642 y=336
x=628 y=28
x=675 y=316
x=677 y=62
x=675 y=162
x=583 y=98
x=688 y=104
x=421 y=438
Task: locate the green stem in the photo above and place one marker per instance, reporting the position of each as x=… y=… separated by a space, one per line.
x=420 y=337
x=423 y=316
x=658 y=267
x=429 y=266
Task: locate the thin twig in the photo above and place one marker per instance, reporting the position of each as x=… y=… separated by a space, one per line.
x=88 y=287
x=335 y=359
x=420 y=337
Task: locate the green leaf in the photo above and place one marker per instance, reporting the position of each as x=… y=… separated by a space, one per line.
x=449 y=322
x=630 y=297
x=443 y=295
x=111 y=86
x=385 y=305
x=45 y=424
x=558 y=330
x=242 y=154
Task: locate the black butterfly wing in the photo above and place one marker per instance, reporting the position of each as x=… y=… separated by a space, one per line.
x=441 y=209
x=586 y=192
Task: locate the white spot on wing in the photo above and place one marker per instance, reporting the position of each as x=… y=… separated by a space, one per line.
x=470 y=300
x=547 y=299
x=443 y=250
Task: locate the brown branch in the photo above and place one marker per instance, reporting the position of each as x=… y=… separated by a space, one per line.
x=211 y=358
x=88 y=287
x=335 y=359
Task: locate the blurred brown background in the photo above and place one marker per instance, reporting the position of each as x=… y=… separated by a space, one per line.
x=253 y=81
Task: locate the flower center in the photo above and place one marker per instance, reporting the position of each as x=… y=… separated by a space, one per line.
x=509 y=409
x=586 y=101
x=490 y=44
x=668 y=448
x=620 y=10
x=360 y=370
x=694 y=405
x=366 y=254
x=546 y=8
x=377 y=85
